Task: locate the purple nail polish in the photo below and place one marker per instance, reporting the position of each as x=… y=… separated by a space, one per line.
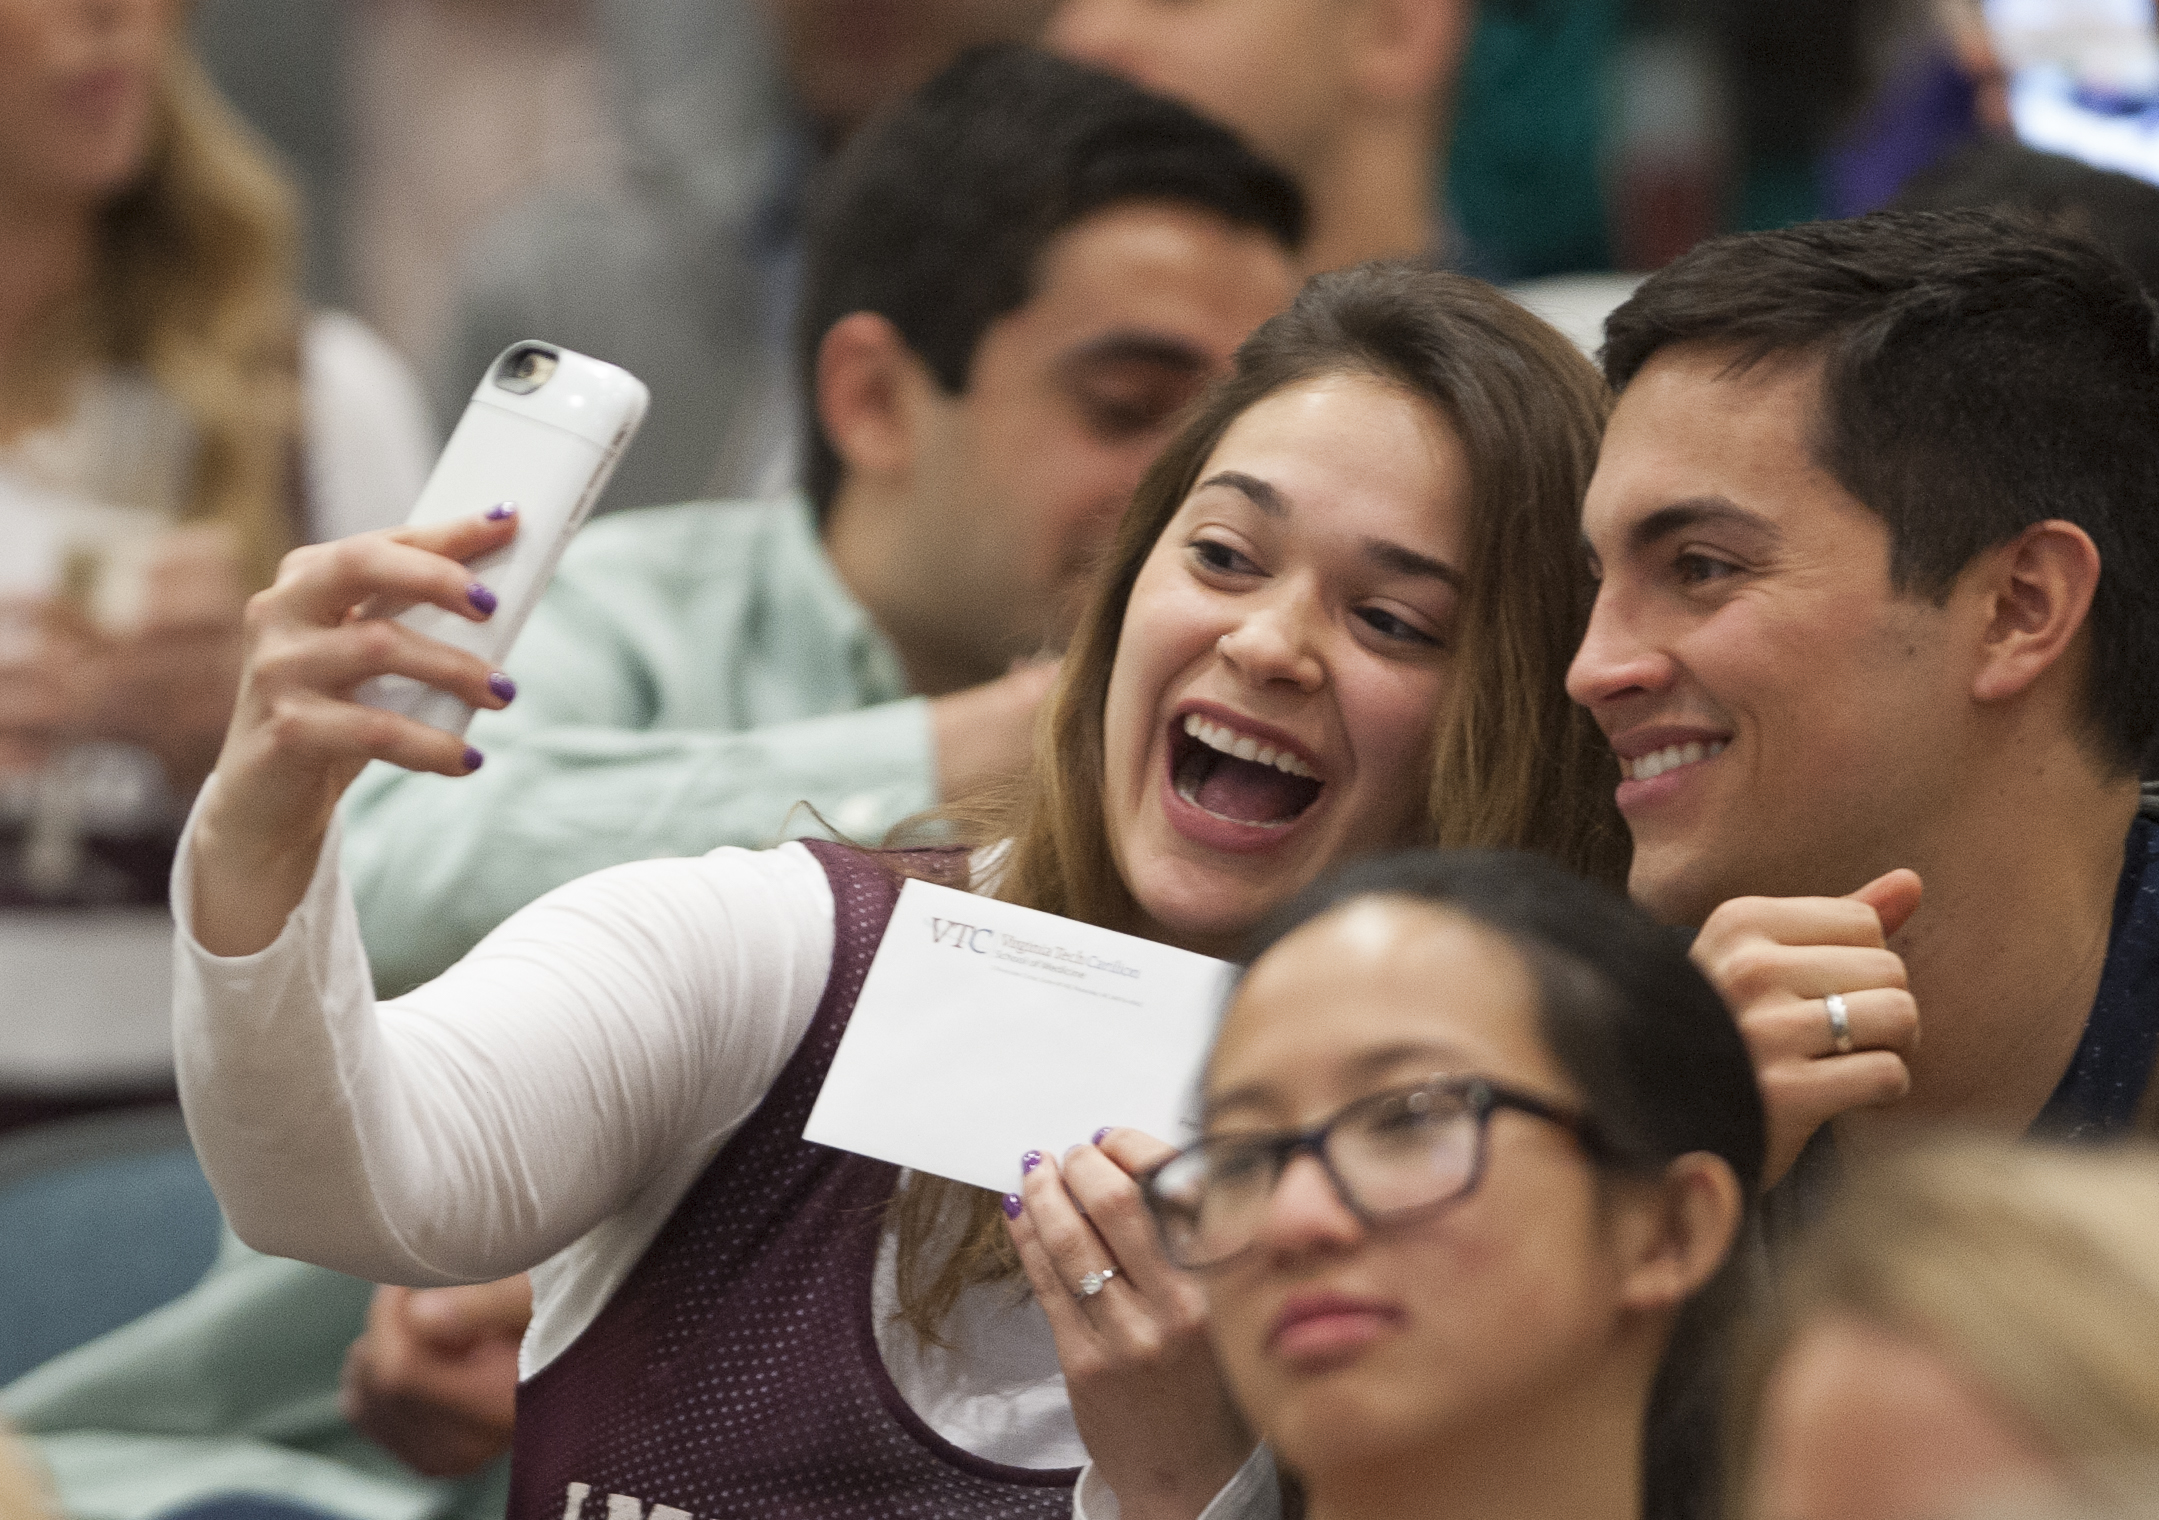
x=480 y=597
x=472 y=759
x=1029 y=1162
x=1100 y=1135
x=1012 y=1205
x=505 y=688
x=500 y=510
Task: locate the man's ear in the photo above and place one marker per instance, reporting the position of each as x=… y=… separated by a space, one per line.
x=865 y=373
x=1408 y=52
x=2039 y=589
x=1687 y=1224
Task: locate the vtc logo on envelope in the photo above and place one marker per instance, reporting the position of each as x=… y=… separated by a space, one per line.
x=959 y=936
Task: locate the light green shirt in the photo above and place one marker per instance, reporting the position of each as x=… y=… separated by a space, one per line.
x=231 y=1388
x=693 y=674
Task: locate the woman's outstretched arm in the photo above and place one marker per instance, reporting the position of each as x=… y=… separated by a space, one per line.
x=601 y=1042
x=578 y=1069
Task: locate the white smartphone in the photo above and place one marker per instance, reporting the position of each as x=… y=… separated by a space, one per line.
x=542 y=432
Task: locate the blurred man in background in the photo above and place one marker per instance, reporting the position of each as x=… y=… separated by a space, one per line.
x=2117 y=211
x=1352 y=97
x=684 y=270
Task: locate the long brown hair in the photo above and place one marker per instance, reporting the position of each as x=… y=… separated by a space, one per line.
x=194 y=282
x=1515 y=764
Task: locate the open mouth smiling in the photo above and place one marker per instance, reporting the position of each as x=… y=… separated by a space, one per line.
x=1239 y=777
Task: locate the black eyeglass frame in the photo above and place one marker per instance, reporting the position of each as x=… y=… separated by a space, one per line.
x=1481 y=1098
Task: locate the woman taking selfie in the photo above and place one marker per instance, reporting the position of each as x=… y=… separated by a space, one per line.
x=1477 y=1141
x=1335 y=619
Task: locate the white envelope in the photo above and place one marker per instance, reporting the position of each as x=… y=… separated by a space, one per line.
x=985 y=1030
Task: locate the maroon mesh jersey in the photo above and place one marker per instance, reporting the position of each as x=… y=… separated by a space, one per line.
x=735 y=1371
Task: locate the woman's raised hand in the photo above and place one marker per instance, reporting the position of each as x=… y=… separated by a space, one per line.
x=1146 y=1394
x=297 y=738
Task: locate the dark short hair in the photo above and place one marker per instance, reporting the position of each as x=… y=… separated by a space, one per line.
x=1980 y=373
x=935 y=215
x=2119 y=212
x=1659 y=1063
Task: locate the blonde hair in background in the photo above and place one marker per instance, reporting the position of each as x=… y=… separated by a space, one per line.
x=195 y=283
x=1515 y=764
x=2033 y=1268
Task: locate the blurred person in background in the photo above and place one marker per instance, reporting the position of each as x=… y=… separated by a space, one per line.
x=1883 y=92
x=2119 y=212
x=1352 y=97
x=447 y=113
x=684 y=270
x=1015 y=286
x=1528 y=154
x=171 y=422
x=846 y=60
x=1973 y=1326
x=1758 y=116
x=1369 y=103
x=1829 y=108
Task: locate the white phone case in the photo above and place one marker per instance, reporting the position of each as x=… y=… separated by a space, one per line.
x=548 y=446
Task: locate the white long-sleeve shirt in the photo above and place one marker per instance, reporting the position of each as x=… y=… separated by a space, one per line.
x=545 y=1103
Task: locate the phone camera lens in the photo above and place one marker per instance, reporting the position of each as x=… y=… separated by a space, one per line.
x=525 y=368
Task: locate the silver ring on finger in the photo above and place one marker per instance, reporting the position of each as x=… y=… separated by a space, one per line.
x=1840 y=1023
x=1093 y=1283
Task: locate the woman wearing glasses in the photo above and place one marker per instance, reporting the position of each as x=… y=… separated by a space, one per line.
x=1478 y=1141
x=1335 y=620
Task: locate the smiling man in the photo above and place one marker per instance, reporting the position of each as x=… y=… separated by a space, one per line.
x=1353 y=97
x=1877 y=521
